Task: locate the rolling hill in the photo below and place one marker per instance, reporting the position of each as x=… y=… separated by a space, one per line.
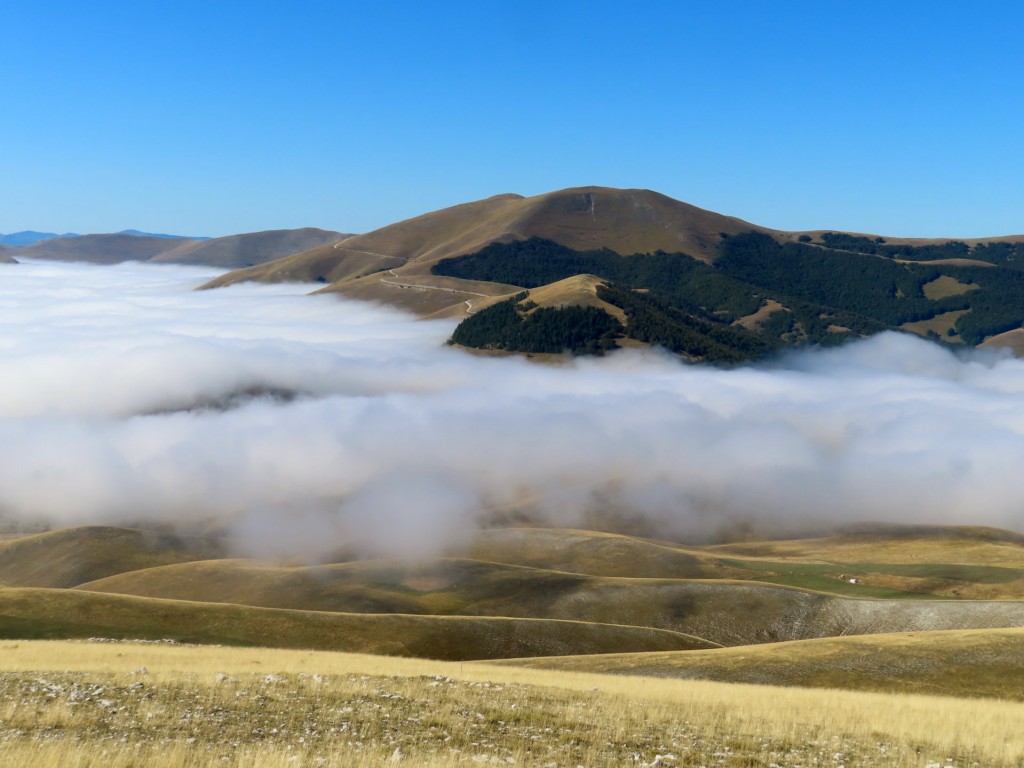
x=245 y=250
x=937 y=609
x=28 y=236
x=98 y=249
x=54 y=613
x=226 y=252
x=719 y=611
x=71 y=556
x=959 y=663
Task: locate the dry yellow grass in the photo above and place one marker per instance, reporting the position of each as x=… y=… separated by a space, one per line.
x=969 y=663
x=77 y=704
x=945 y=286
x=940 y=324
x=967 y=546
x=753 y=322
x=71 y=556
x=575 y=291
x=1012 y=340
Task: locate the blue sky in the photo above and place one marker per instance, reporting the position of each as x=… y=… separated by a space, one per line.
x=900 y=118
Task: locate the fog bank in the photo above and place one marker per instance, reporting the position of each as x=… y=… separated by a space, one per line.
x=304 y=423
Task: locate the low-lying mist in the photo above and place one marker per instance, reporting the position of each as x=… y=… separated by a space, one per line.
x=307 y=424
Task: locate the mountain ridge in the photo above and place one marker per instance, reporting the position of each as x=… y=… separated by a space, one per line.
x=229 y=252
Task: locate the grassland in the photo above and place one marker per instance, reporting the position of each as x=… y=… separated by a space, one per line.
x=42 y=614
x=973 y=663
x=71 y=556
x=941 y=325
x=945 y=286
x=719 y=611
x=119 y=705
x=923 y=615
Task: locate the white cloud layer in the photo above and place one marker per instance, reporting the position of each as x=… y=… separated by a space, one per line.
x=125 y=397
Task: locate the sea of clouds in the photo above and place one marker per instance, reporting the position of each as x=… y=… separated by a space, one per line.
x=301 y=424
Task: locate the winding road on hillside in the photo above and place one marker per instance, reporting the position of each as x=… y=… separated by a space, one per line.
x=469 y=302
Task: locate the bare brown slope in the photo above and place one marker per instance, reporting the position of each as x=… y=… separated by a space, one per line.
x=236 y=251
x=1011 y=340
x=575 y=291
x=624 y=220
x=101 y=249
x=72 y=556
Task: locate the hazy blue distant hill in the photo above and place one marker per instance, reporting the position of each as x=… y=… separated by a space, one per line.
x=154 y=234
x=228 y=252
x=27 y=237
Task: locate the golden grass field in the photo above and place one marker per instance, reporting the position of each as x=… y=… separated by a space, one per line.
x=91 y=704
x=563 y=647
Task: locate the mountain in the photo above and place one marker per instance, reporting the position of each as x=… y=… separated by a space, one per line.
x=227 y=252
x=244 y=250
x=625 y=220
x=153 y=234
x=27 y=237
x=705 y=285
x=652 y=270
x=97 y=249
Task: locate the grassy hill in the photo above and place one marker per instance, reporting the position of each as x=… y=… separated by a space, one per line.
x=960 y=663
x=89 y=704
x=236 y=251
x=59 y=613
x=71 y=556
x=228 y=252
x=101 y=249
x=618 y=592
x=718 y=610
x=625 y=220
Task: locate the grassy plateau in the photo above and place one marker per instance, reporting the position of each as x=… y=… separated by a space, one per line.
x=529 y=646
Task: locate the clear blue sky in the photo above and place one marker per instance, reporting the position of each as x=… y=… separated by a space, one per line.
x=900 y=118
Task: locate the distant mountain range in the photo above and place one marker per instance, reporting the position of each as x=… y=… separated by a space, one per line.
x=592 y=268
x=153 y=234
x=30 y=237
x=231 y=252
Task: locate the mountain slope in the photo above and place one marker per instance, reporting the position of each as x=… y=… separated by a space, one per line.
x=720 y=611
x=247 y=249
x=99 y=249
x=72 y=556
x=786 y=288
x=228 y=252
x=948 y=663
x=28 y=236
x=625 y=220
x=58 y=613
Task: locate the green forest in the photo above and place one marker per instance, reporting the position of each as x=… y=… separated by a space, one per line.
x=842 y=287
